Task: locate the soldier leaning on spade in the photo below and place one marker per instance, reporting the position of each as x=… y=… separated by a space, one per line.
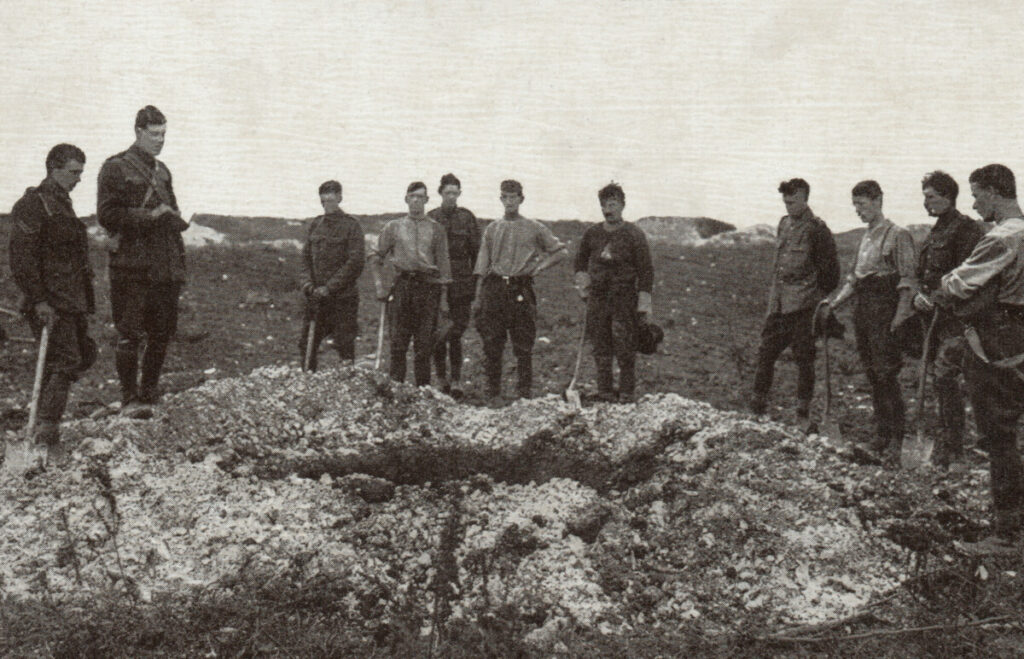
x=49 y=257
x=135 y=203
x=333 y=256
x=615 y=275
x=950 y=241
x=513 y=251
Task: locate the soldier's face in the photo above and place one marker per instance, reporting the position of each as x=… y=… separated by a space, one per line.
x=450 y=195
x=151 y=138
x=984 y=202
x=417 y=201
x=935 y=203
x=867 y=209
x=511 y=201
x=611 y=208
x=795 y=203
x=330 y=200
x=68 y=176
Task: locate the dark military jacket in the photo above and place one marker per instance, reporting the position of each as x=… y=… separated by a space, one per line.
x=49 y=251
x=615 y=260
x=131 y=184
x=463 y=233
x=335 y=253
x=947 y=245
x=806 y=264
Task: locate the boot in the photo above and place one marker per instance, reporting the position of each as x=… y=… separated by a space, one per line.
x=758 y=404
x=524 y=371
x=126 y=361
x=627 y=379
x=152 y=363
x=605 y=392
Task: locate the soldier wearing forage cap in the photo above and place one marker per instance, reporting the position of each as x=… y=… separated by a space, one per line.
x=333 y=257
x=514 y=249
x=615 y=275
x=417 y=247
x=463 y=235
x=135 y=203
x=49 y=256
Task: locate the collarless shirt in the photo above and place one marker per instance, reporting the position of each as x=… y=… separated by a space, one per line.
x=416 y=245
x=886 y=249
x=1000 y=253
x=514 y=247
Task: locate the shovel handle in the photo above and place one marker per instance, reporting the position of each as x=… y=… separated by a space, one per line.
x=310 y=341
x=579 y=351
x=923 y=376
x=37 y=384
x=380 y=334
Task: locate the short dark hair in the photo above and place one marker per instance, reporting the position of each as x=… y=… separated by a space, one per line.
x=61 y=154
x=449 y=179
x=997 y=178
x=149 y=116
x=942 y=183
x=415 y=185
x=330 y=186
x=869 y=189
x=611 y=191
x=511 y=185
x=792 y=185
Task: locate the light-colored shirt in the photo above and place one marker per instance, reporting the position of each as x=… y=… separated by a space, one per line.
x=999 y=252
x=415 y=245
x=514 y=248
x=886 y=249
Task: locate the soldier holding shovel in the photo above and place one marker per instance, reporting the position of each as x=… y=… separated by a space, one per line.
x=615 y=275
x=333 y=257
x=49 y=255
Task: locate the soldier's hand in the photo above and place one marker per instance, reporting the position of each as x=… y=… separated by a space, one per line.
x=582 y=283
x=382 y=294
x=45 y=313
x=320 y=292
x=307 y=288
x=923 y=304
x=161 y=210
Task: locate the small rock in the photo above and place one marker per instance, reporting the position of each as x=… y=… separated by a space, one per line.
x=369 y=488
x=96 y=447
x=587 y=523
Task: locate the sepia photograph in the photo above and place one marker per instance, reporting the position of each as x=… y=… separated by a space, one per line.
x=656 y=328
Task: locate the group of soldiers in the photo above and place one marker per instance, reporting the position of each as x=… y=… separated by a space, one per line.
x=965 y=284
x=449 y=273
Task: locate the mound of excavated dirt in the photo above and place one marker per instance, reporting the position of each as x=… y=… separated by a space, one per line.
x=682 y=230
x=667 y=511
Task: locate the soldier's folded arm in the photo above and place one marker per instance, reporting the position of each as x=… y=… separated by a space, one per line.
x=987 y=260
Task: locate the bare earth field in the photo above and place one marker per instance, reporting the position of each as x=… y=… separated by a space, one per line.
x=278 y=513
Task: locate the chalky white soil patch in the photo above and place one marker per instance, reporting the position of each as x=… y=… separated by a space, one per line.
x=664 y=512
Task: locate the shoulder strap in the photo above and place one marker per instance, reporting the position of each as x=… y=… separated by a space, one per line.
x=150 y=177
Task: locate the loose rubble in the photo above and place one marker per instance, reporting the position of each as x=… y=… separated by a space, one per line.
x=666 y=512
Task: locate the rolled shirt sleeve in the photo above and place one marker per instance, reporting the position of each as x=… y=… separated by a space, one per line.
x=987 y=260
x=905 y=259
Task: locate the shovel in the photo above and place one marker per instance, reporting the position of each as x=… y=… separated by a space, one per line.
x=314 y=311
x=917 y=451
x=570 y=394
x=829 y=426
x=22 y=455
x=380 y=335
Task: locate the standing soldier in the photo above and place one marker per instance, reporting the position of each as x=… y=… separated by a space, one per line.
x=806 y=270
x=136 y=205
x=49 y=255
x=463 y=234
x=419 y=251
x=950 y=241
x=987 y=291
x=615 y=275
x=513 y=251
x=334 y=254
x=883 y=282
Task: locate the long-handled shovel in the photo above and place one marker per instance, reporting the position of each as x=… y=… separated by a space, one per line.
x=570 y=394
x=380 y=335
x=917 y=451
x=829 y=425
x=22 y=455
x=310 y=342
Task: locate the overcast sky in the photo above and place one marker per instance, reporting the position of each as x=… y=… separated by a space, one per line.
x=696 y=108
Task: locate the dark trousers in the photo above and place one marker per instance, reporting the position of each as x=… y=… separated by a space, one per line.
x=873 y=311
x=781 y=331
x=412 y=315
x=612 y=330
x=997 y=396
x=69 y=353
x=949 y=349
x=508 y=309
x=337 y=318
x=449 y=352
x=142 y=310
